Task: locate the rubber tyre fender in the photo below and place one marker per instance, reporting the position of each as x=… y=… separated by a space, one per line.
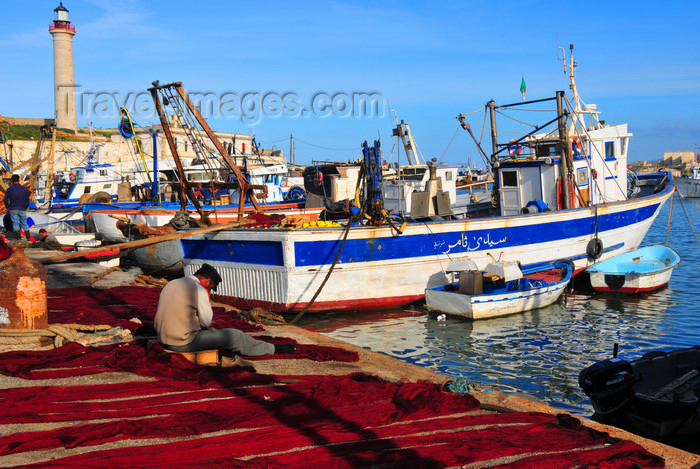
x=594 y=248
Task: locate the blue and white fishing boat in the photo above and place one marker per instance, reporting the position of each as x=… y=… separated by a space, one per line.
x=501 y=289
x=642 y=270
x=560 y=194
x=71 y=188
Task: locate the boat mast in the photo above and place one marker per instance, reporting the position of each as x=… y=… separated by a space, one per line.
x=244 y=187
x=494 y=133
x=565 y=152
x=571 y=67
x=49 y=171
x=185 y=188
x=580 y=108
x=412 y=153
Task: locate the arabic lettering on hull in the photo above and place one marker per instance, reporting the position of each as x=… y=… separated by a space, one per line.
x=471 y=242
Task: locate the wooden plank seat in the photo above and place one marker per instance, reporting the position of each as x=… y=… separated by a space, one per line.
x=202 y=357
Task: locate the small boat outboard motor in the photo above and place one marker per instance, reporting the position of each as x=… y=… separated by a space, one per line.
x=608 y=383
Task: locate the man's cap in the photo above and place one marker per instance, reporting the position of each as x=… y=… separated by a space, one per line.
x=43 y=231
x=209 y=272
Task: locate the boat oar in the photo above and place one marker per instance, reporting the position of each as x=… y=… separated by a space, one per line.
x=138 y=243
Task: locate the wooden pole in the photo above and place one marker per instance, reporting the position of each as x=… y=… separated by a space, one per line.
x=242 y=183
x=185 y=189
x=138 y=243
x=49 y=171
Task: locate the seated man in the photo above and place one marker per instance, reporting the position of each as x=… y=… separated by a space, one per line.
x=184 y=311
x=46 y=241
x=46 y=237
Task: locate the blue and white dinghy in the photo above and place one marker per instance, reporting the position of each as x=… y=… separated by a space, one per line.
x=642 y=270
x=502 y=288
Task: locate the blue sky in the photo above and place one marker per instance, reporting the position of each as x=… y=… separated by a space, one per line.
x=428 y=61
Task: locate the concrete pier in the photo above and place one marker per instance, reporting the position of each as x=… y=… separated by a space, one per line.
x=492 y=400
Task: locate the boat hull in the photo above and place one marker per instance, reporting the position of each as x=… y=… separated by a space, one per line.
x=687 y=187
x=282 y=270
x=638 y=271
x=164 y=258
x=491 y=306
x=633 y=283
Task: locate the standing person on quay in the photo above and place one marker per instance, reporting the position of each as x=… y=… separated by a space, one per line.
x=184 y=312
x=16 y=202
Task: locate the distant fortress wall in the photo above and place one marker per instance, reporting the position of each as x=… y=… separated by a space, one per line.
x=117 y=151
x=678 y=158
x=26 y=120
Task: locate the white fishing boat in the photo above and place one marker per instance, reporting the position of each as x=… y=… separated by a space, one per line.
x=561 y=194
x=72 y=188
x=642 y=270
x=502 y=288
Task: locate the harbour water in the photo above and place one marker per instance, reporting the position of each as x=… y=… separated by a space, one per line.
x=539 y=354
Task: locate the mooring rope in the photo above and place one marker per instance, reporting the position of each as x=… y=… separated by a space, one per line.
x=56 y=335
x=670 y=214
x=458 y=385
x=680 y=199
x=330 y=270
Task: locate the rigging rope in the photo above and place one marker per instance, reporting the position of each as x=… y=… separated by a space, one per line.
x=570 y=108
x=514 y=119
x=448 y=145
x=324 y=148
x=330 y=270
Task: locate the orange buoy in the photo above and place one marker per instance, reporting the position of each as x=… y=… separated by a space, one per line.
x=22 y=292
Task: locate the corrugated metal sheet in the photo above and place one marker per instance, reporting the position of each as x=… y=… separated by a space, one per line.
x=238 y=282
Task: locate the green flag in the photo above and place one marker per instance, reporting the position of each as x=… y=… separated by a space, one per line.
x=523 y=88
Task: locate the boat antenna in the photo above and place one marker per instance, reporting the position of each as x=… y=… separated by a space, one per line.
x=569 y=69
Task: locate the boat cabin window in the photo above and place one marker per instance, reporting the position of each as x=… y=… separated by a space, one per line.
x=582 y=176
x=448 y=176
x=547 y=150
x=106 y=186
x=87 y=190
x=623 y=146
x=509 y=178
x=103 y=172
x=609 y=150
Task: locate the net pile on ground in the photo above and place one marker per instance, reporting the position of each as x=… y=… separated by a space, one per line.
x=119 y=306
x=235 y=417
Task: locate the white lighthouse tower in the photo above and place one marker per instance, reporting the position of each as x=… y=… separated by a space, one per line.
x=63 y=77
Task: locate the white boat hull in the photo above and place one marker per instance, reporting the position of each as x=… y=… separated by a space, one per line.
x=633 y=283
x=642 y=270
x=491 y=306
x=282 y=270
